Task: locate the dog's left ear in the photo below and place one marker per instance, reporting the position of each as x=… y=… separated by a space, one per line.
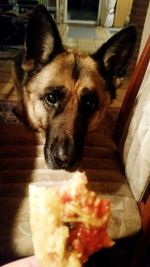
x=42 y=39
x=113 y=56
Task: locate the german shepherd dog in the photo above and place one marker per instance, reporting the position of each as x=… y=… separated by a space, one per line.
x=65 y=93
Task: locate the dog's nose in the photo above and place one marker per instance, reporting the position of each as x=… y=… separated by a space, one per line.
x=65 y=151
x=62 y=155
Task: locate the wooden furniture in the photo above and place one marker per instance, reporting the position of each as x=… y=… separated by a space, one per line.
x=120 y=135
x=132 y=92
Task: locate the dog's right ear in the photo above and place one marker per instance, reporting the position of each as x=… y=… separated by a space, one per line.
x=42 y=38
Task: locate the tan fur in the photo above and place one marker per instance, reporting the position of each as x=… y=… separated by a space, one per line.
x=58 y=73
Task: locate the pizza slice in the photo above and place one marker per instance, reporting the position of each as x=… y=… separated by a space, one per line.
x=68 y=222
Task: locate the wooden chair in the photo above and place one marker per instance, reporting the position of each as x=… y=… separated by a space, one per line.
x=120 y=135
x=124 y=120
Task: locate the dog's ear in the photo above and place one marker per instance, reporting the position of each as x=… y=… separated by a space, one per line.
x=113 y=56
x=42 y=38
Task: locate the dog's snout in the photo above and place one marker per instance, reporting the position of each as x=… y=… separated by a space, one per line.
x=62 y=154
x=64 y=151
x=64 y=148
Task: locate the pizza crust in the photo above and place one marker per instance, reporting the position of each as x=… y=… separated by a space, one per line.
x=51 y=215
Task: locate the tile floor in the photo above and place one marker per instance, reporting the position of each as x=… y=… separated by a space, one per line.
x=7 y=90
x=88 y=45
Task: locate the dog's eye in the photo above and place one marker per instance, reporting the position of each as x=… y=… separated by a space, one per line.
x=51 y=98
x=88 y=102
x=54 y=97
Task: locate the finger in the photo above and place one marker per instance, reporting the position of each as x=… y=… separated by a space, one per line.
x=26 y=262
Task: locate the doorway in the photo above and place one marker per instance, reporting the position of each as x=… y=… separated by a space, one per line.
x=82 y=11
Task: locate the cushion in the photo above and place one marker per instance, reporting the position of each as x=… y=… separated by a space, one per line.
x=136 y=151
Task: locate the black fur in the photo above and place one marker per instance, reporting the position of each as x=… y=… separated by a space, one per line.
x=120 y=47
x=41 y=26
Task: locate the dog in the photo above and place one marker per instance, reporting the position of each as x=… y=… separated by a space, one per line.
x=64 y=92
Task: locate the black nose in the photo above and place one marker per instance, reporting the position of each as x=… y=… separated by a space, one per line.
x=61 y=153
x=64 y=152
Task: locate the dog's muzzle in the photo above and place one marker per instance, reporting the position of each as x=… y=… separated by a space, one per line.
x=62 y=152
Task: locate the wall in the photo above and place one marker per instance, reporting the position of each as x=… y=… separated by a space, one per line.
x=138 y=15
x=146 y=30
x=123 y=10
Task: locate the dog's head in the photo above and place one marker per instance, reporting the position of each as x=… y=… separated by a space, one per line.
x=66 y=93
